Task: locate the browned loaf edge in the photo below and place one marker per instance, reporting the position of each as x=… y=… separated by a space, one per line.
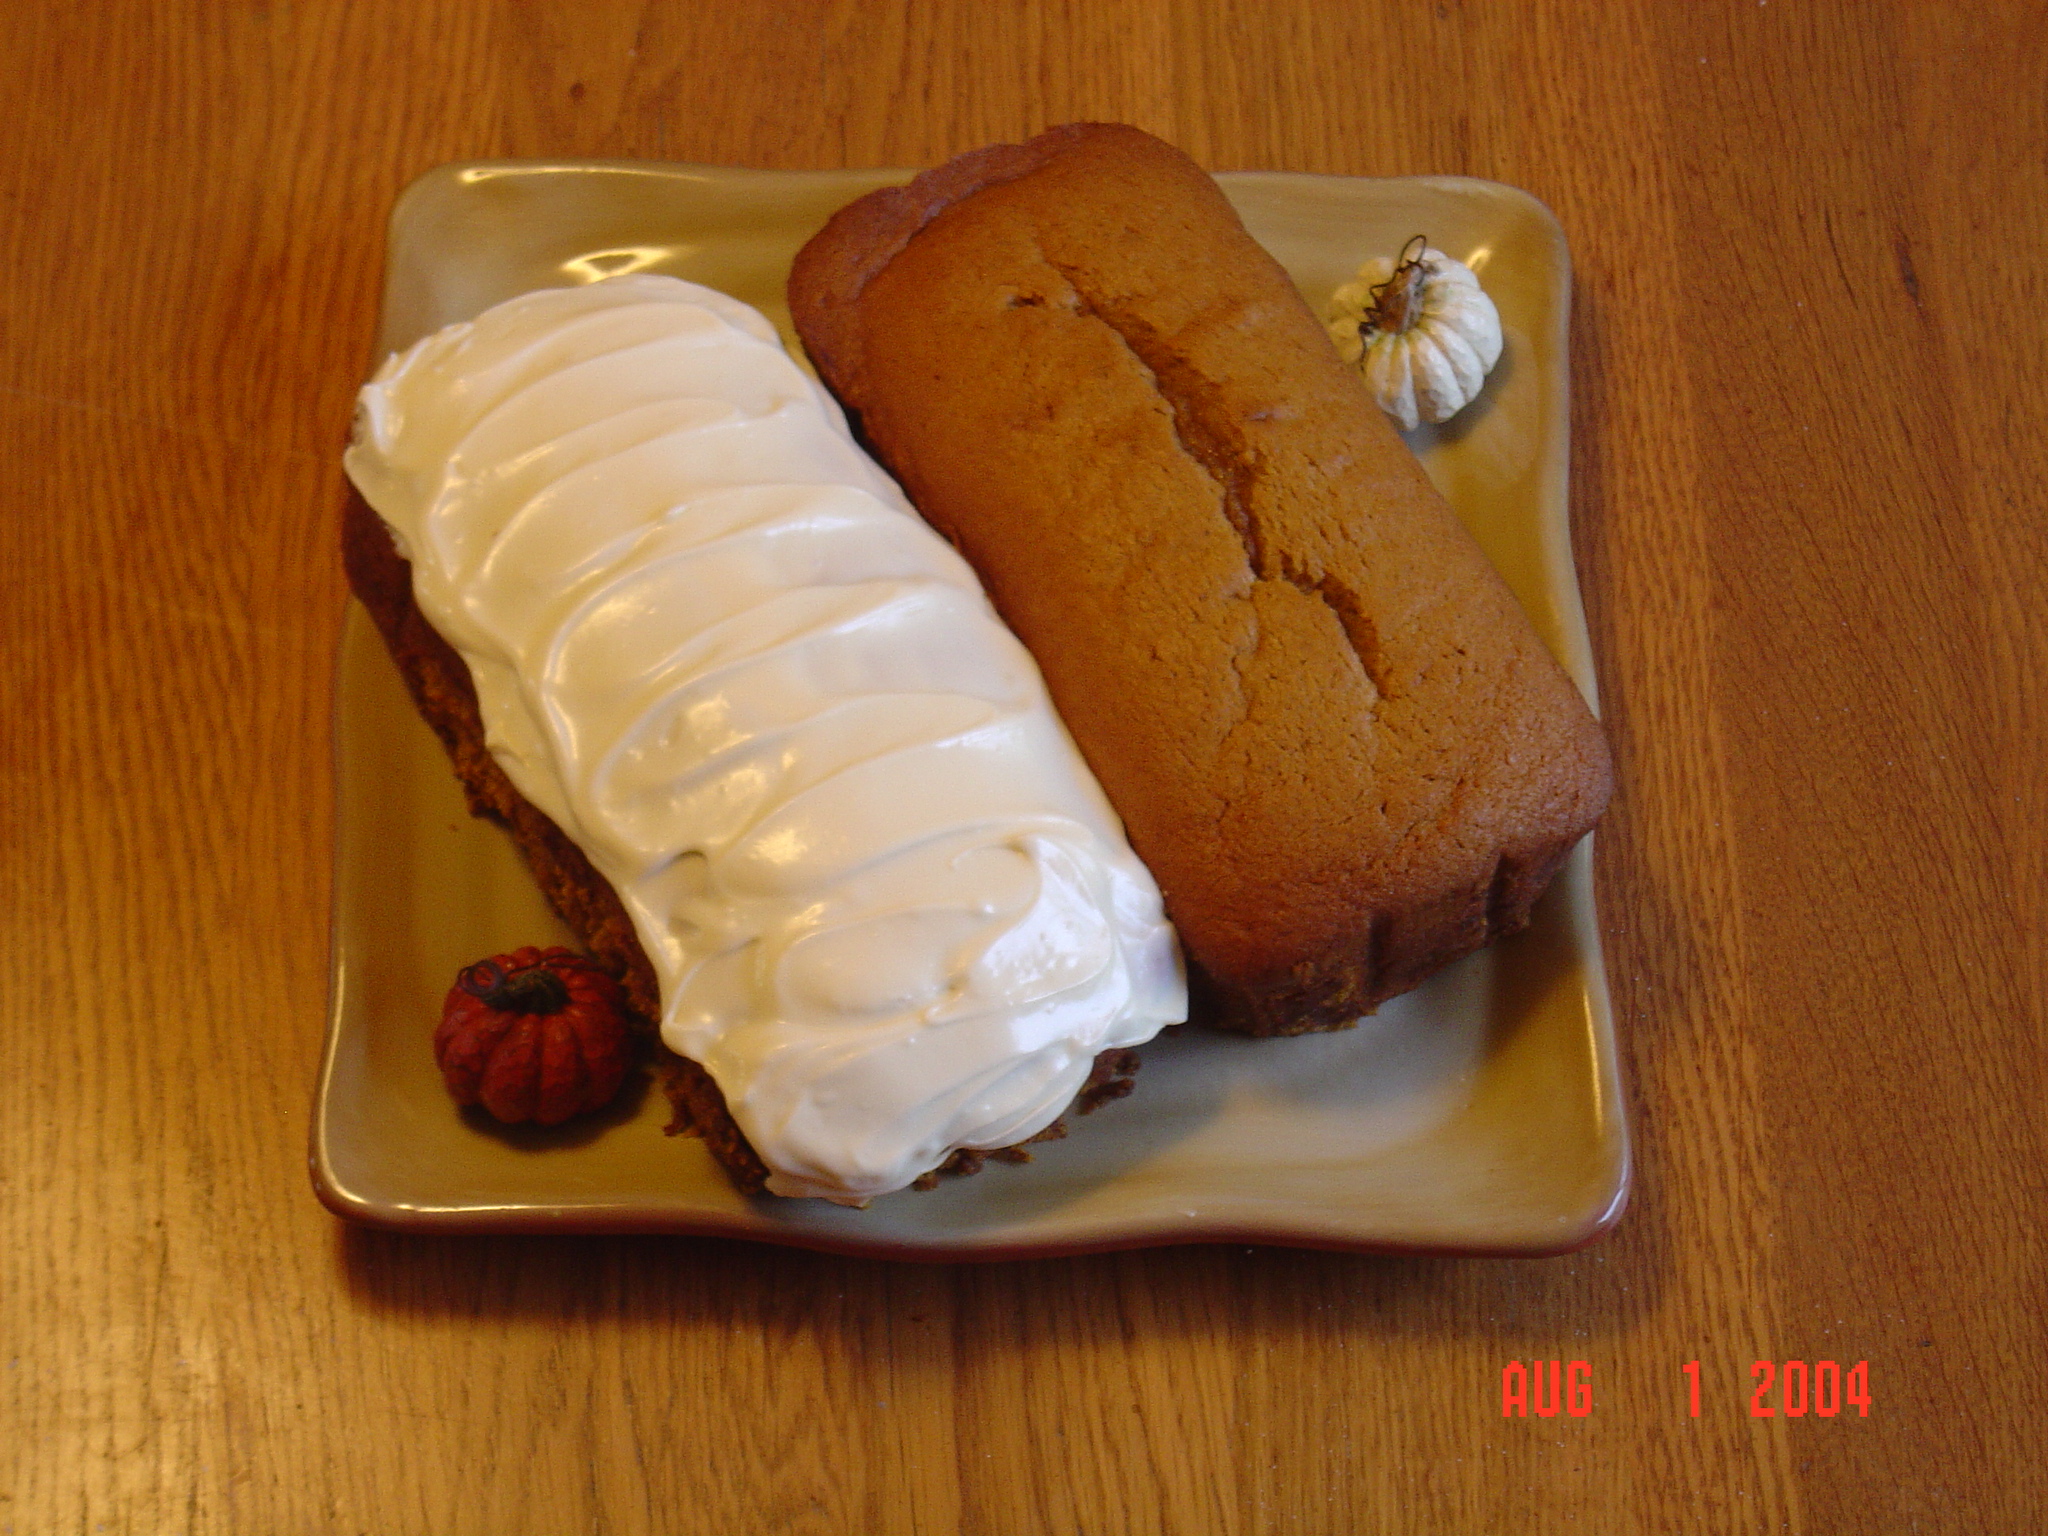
x=438 y=680
x=1332 y=733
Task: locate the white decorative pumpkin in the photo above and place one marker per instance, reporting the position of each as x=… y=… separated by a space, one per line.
x=1422 y=331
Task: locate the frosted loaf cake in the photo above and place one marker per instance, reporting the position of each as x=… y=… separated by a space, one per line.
x=888 y=910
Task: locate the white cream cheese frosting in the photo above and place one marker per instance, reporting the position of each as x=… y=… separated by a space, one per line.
x=889 y=908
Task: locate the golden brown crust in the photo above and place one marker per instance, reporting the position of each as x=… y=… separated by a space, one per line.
x=1331 y=732
x=440 y=685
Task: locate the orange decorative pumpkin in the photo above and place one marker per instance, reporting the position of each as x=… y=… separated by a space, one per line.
x=539 y=1034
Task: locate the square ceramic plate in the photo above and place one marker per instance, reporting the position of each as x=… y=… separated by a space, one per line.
x=1479 y=1114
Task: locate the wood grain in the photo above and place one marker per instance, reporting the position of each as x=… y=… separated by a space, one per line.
x=1810 y=390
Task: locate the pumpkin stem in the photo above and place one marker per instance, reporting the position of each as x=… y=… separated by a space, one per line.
x=535 y=989
x=1397 y=303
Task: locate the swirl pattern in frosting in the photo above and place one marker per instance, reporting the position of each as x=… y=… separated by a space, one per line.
x=890 y=911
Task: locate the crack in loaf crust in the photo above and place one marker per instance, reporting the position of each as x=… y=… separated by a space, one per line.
x=439 y=682
x=1331 y=732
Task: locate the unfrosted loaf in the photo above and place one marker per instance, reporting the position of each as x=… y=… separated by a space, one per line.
x=1331 y=732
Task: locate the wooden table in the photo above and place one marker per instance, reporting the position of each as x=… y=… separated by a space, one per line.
x=1809 y=499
